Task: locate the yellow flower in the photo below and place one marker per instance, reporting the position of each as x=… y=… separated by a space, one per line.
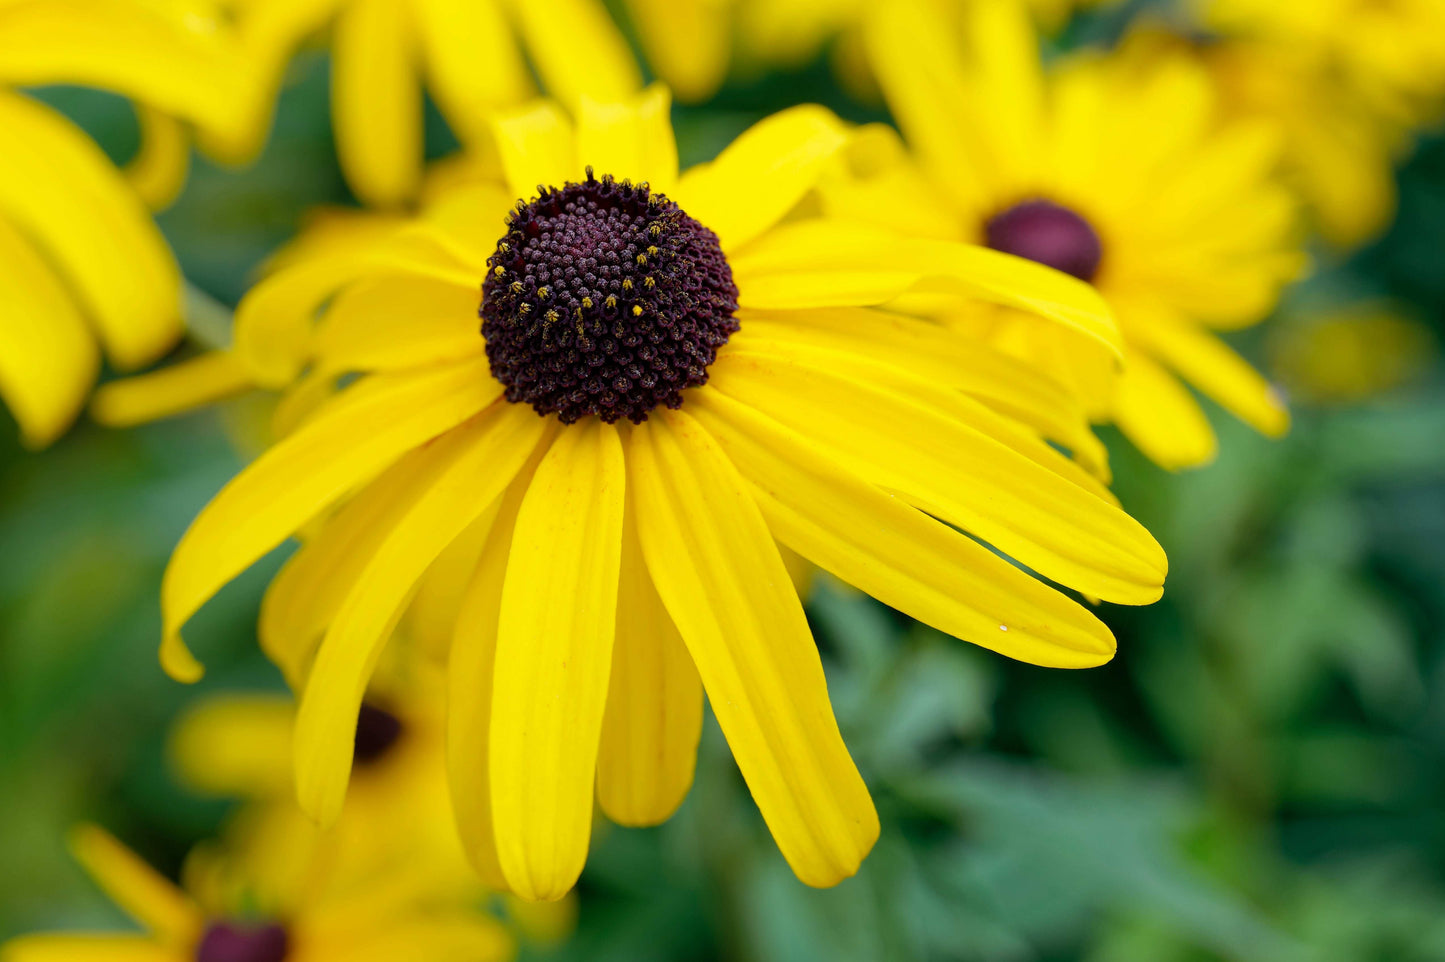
x=468 y=52
x=225 y=915
x=674 y=372
x=1115 y=171
x=83 y=269
x=1350 y=354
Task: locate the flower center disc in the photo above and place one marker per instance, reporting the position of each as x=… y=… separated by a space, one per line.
x=377 y=730
x=1052 y=235
x=225 y=942
x=606 y=299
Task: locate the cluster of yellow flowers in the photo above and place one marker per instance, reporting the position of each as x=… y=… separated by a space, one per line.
x=559 y=426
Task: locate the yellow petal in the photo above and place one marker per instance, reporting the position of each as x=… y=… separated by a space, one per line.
x=825 y=263
x=146 y=896
x=688 y=43
x=86 y=948
x=235 y=745
x=898 y=437
x=274 y=320
x=538 y=148
x=472 y=62
x=554 y=655
x=60 y=190
x=631 y=140
x=399 y=320
x=48 y=357
x=719 y=575
x=1161 y=417
x=357 y=435
x=174 y=389
x=879 y=544
x=158 y=170
x=578 y=50
x=376 y=101
x=763 y=174
x=654 y=703
x=468 y=469
x=469 y=680
x=435 y=937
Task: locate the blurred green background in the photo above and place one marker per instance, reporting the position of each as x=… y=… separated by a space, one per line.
x=1260 y=774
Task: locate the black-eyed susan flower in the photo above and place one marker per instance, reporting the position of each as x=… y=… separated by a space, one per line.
x=84 y=272
x=281 y=903
x=1118 y=172
x=629 y=386
x=468 y=53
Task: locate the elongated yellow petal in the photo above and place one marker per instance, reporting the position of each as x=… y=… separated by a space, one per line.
x=144 y=894
x=881 y=545
x=136 y=50
x=578 y=50
x=538 y=148
x=48 y=357
x=235 y=745
x=358 y=434
x=826 y=263
x=763 y=174
x=469 y=468
x=1161 y=417
x=158 y=170
x=60 y=190
x=397 y=321
x=949 y=468
x=654 y=703
x=554 y=655
x=172 y=390
x=472 y=62
x=274 y=320
x=86 y=948
x=631 y=140
x=463 y=937
x=469 y=680
x=719 y=575
x=688 y=43
x=1003 y=382
x=376 y=101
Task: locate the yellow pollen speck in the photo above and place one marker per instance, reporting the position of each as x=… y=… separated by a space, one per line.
x=611 y=300
x=648 y=282
x=627 y=283
x=499 y=270
x=542 y=292
x=551 y=316
x=641 y=259
x=587 y=302
x=504 y=247
x=655 y=230
x=524 y=309
x=652 y=251
x=636 y=310
x=515 y=287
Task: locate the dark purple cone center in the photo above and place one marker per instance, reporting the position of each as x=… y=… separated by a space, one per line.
x=1043 y=231
x=377 y=731
x=605 y=299
x=229 y=942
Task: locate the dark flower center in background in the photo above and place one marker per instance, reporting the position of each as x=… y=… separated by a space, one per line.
x=377 y=730
x=228 y=942
x=1045 y=232
x=605 y=298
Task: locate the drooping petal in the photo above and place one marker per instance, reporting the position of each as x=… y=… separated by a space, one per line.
x=885 y=433
x=554 y=654
x=235 y=745
x=158 y=170
x=172 y=390
x=825 y=263
x=1161 y=417
x=882 y=545
x=688 y=43
x=716 y=568
x=48 y=357
x=376 y=101
x=538 y=148
x=632 y=140
x=472 y=62
x=469 y=467
x=359 y=434
x=61 y=191
x=578 y=50
x=654 y=703
x=144 y=894
x=763 y=174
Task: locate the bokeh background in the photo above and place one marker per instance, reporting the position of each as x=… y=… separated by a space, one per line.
x=1259 y=774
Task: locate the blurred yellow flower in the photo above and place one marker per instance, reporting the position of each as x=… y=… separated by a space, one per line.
x=625 y=537
x=1117 y=171
x=226 y=914
x=469 y=54
x=1350 y=354
x=83 y=269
